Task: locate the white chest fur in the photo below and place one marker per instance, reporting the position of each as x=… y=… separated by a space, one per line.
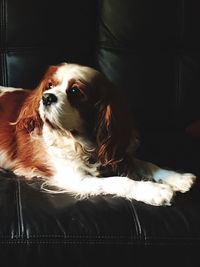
x=68 y=156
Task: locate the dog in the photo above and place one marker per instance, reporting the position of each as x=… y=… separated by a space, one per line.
x=75 y=132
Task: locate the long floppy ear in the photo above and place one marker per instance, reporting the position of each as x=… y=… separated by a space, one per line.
x=114 y=129
x=29 y=118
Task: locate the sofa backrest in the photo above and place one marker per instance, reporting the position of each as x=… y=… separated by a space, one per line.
x=35 y=34
x=149 y=48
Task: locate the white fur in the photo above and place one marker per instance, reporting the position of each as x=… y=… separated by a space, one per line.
x=67 y=154
x=68 y=71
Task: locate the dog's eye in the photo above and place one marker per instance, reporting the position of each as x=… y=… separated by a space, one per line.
x=49 y=85
x=75 y=94
x=74 y=91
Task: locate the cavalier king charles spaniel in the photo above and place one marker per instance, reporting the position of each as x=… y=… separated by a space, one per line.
x=74 y=131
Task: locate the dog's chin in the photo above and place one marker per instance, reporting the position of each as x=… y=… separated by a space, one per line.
x=55 y=119
x=50 y=117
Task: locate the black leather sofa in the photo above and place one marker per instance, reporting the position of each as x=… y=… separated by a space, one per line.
x=151 y=50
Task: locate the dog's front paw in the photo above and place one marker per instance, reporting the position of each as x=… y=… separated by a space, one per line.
x=155 y=194
x=181 y=182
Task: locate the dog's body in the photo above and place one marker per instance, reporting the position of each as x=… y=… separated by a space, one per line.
x=73 y=130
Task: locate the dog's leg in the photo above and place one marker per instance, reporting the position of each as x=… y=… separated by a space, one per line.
x=146 y=191
x=117 y=186
x=178 y=181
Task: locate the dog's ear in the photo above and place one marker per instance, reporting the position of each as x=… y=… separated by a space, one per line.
x=113 y=129
x=29 y=118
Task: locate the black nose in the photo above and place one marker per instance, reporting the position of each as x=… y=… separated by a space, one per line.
x=48 y=99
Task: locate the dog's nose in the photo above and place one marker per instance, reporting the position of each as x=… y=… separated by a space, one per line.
x=48 y=99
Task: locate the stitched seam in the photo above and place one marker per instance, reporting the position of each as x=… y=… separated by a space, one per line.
x=113 y=237
x=74 y=236
x=25 y=48
x=2 y=22
x=118 y=242
x=1 y=36
x=136 y=221
x=19 y=210
x=3 y=29
x=4 y=70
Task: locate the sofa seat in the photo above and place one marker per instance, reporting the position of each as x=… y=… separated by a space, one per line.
x=100 y=231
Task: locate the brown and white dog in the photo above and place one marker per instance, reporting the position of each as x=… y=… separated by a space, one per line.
x=73 y=131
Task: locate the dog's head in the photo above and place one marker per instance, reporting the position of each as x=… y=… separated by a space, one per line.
x=84 y=102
